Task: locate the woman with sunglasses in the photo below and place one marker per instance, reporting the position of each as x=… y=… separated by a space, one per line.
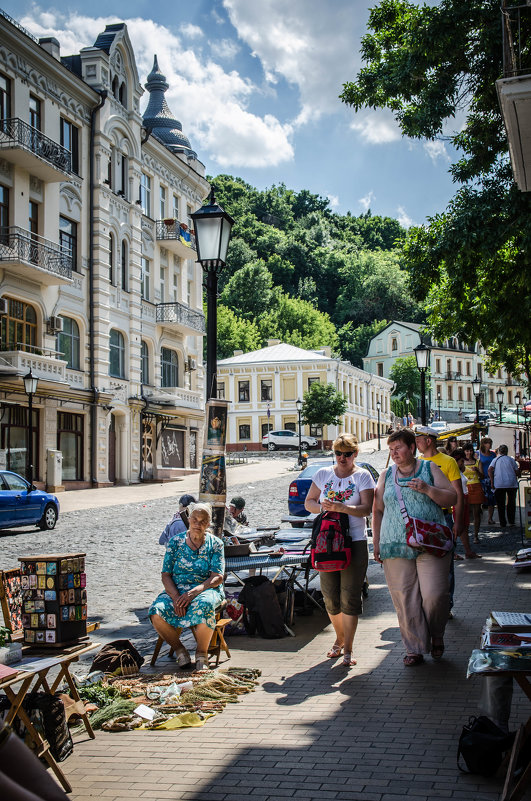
x=348 y=489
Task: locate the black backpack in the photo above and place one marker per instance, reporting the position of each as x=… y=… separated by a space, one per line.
x=261 y=609
x=482 y=745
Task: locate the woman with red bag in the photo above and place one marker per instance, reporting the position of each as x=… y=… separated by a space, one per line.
x=418 y=581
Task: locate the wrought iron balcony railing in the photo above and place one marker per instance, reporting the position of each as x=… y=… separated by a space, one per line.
x=17 y=133
x=21 y=245
x=516 y=28
x=180 y=314
x=173 y=230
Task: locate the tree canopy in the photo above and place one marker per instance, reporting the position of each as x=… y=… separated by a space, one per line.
x=430 y=64
x=323 y=405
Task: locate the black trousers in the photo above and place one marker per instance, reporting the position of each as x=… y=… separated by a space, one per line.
x=500 y=495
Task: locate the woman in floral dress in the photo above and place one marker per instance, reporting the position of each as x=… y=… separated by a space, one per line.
x=192 y=575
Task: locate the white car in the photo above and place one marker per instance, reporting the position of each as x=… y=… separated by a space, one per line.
x=286 y=439
x=439 y=425
x=484 y=416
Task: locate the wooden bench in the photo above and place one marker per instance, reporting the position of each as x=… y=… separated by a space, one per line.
x=217 y=642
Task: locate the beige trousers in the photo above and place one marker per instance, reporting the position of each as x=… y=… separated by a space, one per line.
x=420 y=593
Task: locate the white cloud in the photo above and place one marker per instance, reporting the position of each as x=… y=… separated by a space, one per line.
x=192 y=31
x=225 y=49
x=403 y=217
x=367 y=200
x=376 y=128
x=436 y=150
x=333 y=200
x=210 y=102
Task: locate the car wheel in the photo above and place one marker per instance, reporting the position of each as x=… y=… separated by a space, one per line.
x=271 y=446
x=297 y=525
x=305 y=445
x=49 y=518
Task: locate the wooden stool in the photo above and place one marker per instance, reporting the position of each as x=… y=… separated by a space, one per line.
x=216 y=643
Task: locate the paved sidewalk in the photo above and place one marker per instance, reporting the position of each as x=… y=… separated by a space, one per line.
x=314 y=731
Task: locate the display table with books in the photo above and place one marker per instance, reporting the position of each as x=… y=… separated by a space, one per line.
x=506 y=653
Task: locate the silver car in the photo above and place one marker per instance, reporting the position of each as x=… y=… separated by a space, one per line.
x=287 y=439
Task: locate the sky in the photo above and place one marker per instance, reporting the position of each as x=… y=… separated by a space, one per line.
x=255 y=86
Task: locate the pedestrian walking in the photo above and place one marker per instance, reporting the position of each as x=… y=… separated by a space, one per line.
x=503 y=474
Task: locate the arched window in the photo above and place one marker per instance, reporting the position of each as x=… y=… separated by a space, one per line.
x=123 y=262
x=19 y=326
x=144 y=362
x=116 y=354
x=111 y=257
x=115 y=87
x=170 y=368
x=122 y=95
x=67 y=342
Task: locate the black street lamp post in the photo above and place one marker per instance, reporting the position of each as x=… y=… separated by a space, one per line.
x=422 y=355
x=476 y=389
x=30 y=388
x=378 y=407
x=212 y=228
x=499 y=398
x=298 y=404
x=439 y=404
x=517 y=402
x=526 y=434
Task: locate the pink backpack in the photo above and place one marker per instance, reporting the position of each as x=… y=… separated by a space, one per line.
x=331 y=542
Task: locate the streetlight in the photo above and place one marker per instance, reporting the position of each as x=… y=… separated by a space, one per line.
x=298 y=404
x=30 y=388
x=439 y=404
x=422 y=355
x=526 y=434
x=378 y=407
x=517 y=402
x=212 y=227
x=499 y=398
x=476 y=389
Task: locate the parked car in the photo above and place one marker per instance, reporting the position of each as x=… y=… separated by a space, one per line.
x=439 y=425
x=484 y=416
x=298 y=489
x=22 y=504
x=287 y=439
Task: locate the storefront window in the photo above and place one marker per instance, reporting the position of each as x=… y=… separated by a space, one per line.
x=70 y=443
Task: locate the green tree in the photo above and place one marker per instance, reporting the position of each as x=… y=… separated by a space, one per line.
x=428 y=64
x=235 y=334
x=354 y=342
x=323 y=405
x=406 y=376
x=297 y=322
x=248 y=291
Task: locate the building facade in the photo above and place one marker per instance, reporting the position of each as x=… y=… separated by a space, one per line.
x=453 y=367
x=263 y=386
x=100 y=293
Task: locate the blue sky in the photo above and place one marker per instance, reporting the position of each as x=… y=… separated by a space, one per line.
x=255 y=85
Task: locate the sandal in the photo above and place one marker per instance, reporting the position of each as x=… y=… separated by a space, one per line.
x=411 y=660
x=335 y=651
x=437 y=648
x=348 y=660
x=458 y=557
x=201 y=661
x=182 y=657
x=473 y=555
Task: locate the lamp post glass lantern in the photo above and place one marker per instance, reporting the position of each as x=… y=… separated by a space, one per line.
x=30 y=388
x=212 y=226
x=499 y=398
x=298 y=404
x=422 y=355
x=517 y=401
x=378 y=407
x=476 y=389
x=439 y=405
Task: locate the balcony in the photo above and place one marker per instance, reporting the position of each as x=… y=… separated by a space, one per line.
x=176 y=237
x=27 y=147
x=176 y=396
x=30 y=256
x=178 y=315
x=46 y=365
x=453 y=376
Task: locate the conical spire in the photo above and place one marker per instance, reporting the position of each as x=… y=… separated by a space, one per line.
x=158 y=118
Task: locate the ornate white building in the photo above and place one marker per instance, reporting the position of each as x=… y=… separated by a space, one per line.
x=100 y=293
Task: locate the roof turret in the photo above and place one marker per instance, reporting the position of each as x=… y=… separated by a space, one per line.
x=158 y=118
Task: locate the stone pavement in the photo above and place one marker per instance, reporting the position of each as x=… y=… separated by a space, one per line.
x=315 y=731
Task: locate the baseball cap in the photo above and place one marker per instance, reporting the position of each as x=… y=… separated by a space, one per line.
x=426 y=431
x=238 y=502
x=186 y=500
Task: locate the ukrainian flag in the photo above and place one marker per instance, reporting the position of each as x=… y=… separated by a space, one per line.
x=185 y=237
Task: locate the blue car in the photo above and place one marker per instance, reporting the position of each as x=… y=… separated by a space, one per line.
x=298 y=489
x=22 y=504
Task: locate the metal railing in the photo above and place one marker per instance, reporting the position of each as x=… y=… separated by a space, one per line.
x=173 y=230
x=516 y=37
x=16 y=243
x=34 y=349
x=182 y=315
x=453 y=376
x=17 y=133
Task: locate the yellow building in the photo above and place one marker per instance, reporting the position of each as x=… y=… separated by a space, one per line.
x=264 y=385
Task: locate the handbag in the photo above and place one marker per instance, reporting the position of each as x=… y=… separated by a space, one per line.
x=482 y=745
x=426 y=536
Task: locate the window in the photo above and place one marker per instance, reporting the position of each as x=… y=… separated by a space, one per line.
x=175 y=287
x=144 y=362
x=67 y=342
x=162 y=283
x=70 y=443
x=491 y=396
x=68 y=239
x=243 y=392
x=123 y=265
x=480 y=371
x=266 y=428
x=175 y=207
x=313 y=381
x=291 y=427
x=509 y=396
x=189 y=292
x=170 y=368
x=379 y=368
x=244 y=431
x=459 y=367
x=111 y=257
x=5 y=97
x=116 y=354
x=450 y=392
x=469 y=395
x=122 y=94
x=162 y=200
x=221 y=390
x=468 y=368
x=33 y=217
x=122 y=175
x=145 y=278
x=15 y=438
x=35 y=112
x=266 y=390
x=145 y=194
x=316 y=431
x=70 y=141
x=19 y=326
x=459 y=393
x=394 y=344
x=4 y=213
x=437 y=365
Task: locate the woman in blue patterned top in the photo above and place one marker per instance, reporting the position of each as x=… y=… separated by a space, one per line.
x=192 y=575
x=418 y=582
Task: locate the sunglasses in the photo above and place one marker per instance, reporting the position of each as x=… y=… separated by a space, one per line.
x=344 y=453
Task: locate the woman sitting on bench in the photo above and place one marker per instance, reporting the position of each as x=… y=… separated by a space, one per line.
x=192 y=575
